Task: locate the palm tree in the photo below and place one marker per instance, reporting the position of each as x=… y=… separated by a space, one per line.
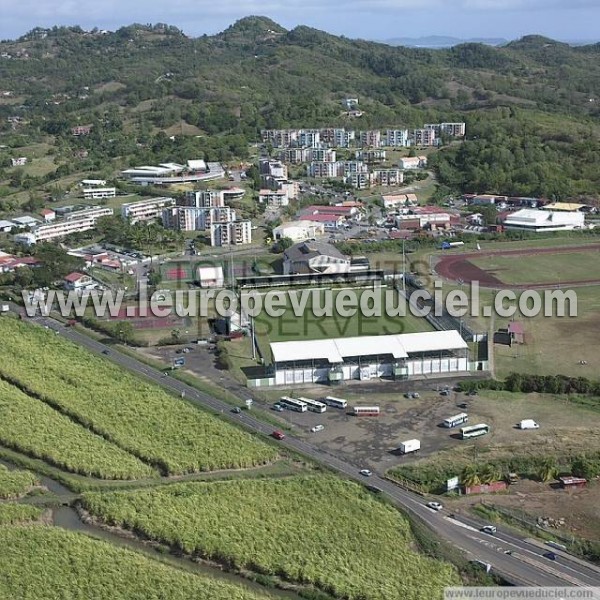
x=489 y=474
x=470 y=476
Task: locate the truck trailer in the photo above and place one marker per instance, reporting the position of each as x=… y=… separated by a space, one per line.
x=409 y=446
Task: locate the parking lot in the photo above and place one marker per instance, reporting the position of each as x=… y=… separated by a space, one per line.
x=371 y=442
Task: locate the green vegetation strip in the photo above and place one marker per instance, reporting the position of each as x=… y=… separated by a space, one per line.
x=318 y=530
x=30 y=426
x=12 y=513
x=14 y=484
x=46 y=563
x=137 y=416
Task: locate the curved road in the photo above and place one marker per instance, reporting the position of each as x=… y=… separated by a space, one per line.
x=525 y=565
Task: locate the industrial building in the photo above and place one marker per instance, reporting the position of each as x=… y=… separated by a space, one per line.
x=398 y=356
x=530 y=219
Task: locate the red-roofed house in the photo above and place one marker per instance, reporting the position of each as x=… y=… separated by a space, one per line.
x=47 y=214
x=77 y=281
x=8 y=263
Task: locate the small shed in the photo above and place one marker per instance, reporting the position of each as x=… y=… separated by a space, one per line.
x=570 y=482
x=516 y=331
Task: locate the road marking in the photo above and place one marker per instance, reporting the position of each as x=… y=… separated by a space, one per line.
x=463 y=525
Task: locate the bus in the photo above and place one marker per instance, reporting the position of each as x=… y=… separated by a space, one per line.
x=474 y=431
x=293 y=404
x=456 y=420
x=366 y=411
x=336 y=402
x=314 y=405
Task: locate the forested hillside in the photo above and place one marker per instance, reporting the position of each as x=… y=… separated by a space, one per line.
x=533 y=101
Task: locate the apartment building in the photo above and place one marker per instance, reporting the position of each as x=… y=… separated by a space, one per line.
x=274 y=168
x=424 y=137
x=275 y=198
x=323 y=169
x=371 y=138
x=308 y=138
x=146 y=210
x=75 y=222
x=397 y=138
x=354 y=166
x=371 y=156
x=190 y=218
x=97 y=193
x=360 y=181
x=337 y=137
x=202 y=199
x=279 y=138
x=294 y=156
x=450 y=129
x=388 y=177
x=233 y=233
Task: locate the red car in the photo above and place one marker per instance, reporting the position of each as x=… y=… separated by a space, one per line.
x=278 y=435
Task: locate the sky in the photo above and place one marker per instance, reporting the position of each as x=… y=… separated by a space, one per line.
x=569 y=20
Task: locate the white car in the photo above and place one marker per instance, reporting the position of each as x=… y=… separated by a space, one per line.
x=365 y=472
x=435 y=505
x=317 y=428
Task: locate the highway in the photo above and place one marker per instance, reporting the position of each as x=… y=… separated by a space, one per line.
x=525 y=565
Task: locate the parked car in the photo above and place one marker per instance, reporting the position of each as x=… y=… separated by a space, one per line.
x=278 y=435
x=434 y=505
x=317 y=428
x=491 y=529
x=278 y=407
x=365 y=473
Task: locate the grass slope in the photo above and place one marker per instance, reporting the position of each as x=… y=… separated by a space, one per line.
x=311 y=529
x=15 y=483
x=137 y=416
x=12 y=513
x=48 y=563
x=29 y=425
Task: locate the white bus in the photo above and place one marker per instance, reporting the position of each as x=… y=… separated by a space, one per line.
x=314 y=405
x=456 y=420
x=293 y=404
x=474 y=431
x=336 y=402
x=366 y=411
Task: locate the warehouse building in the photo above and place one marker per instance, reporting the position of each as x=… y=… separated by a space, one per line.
x=530 y=219
x=398 y=356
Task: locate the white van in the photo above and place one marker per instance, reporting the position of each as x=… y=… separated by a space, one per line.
x=528 y=424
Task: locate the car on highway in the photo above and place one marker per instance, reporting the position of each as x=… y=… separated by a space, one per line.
x=317 y=428
x=278 y=435
x=105 y=351
x=434 y=505
x=491 y=529
x=365 y=472
x=550 y=556
x=237 y=410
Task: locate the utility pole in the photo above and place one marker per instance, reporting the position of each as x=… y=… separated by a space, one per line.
x=403 y=268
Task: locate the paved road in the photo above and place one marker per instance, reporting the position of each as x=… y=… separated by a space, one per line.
x=526 y=564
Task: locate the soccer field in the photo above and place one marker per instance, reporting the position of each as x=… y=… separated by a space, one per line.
x=311 y=326
x=581 y=265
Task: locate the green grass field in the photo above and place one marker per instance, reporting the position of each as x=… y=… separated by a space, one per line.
x=12 y=513
x=542 y=268
x=14 y=484
x=130 y=416
x=47 y=563
x=320 y=529
x=312 y=326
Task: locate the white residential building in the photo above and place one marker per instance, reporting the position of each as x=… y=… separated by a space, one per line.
x=96 y=193
x=397 y=138
x=277 y=198
x=189 y=218
x=145 y=210
x=370 y=138
x=203 y=199
x=320 y=155
x=309 y=138
x=337 y=137
x=76 y=222
x=294 y=156
x=424 y=137
x=388 y=177
x=231 y=233
x=323 y=169
x=450 y=129
x=371 y=156
x=359 y=181
x=413 y=162
x=93 y=212
x=298 y=231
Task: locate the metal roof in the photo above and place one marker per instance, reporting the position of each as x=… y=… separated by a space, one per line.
x=336 y=349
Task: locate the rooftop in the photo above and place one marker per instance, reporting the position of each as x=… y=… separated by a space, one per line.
x=399 y=346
